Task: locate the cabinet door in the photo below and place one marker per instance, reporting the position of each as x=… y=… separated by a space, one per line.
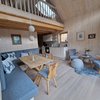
x=47 y=38
x=54 y=37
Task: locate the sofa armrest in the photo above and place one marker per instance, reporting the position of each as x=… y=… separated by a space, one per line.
x=0 y=92
x=32 y=98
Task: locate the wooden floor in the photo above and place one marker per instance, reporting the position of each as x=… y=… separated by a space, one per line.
x=71 y=86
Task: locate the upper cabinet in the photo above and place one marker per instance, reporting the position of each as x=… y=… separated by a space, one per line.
x=51 y=37
x=47 y=37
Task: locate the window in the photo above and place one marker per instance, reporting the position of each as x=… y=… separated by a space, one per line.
x=63 y=37
x=45 y=9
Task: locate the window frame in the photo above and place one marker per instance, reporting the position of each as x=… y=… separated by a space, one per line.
x=67 y=37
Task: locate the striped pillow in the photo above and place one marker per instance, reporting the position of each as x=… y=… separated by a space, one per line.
x=8 y=66
x=12 y=56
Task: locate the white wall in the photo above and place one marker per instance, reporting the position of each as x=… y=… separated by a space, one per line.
x=89 y=23
x=6 y=41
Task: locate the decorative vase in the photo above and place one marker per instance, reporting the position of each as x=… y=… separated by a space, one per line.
x=33 y=59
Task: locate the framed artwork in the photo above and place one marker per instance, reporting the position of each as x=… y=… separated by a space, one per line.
x=91 y=36
x=16 y=39
x=80 y=36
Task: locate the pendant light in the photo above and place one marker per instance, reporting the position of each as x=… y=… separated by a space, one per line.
x=31 y=28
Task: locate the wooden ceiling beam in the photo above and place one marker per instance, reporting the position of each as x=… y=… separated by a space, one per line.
x=21 y=26
x=20 y=20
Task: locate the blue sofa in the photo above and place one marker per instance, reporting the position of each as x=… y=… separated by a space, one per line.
x=17 y=85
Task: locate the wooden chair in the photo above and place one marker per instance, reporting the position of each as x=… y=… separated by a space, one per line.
x=38 y=68
x=32 y=74
x=43 y=54
x=50 y=56
x=49 y=73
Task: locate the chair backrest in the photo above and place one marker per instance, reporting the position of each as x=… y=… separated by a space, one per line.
x=72 y=52
x=52 y=70
x=50 y=56
x=43 y=54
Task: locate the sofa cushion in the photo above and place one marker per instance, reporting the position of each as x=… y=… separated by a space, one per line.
x=2 y=77
x=0 y=92
x=24 y=54
x=19 y=87
x=8 y=65
x=4 y=56
x=18 y=54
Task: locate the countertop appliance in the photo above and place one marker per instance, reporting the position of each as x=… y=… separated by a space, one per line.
x=47 y=49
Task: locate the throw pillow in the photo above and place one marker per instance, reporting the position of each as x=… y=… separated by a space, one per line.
x=11 y=56
x=8 y=66
x=4 y=56
x=24 y=54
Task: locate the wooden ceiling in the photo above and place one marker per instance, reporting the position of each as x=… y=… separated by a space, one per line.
x=72 y=8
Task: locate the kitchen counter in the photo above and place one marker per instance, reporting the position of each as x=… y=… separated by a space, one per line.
x=60 y=52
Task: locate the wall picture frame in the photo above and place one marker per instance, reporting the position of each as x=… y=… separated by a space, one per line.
x=16 y=39
x=92 y=36
x=80 y=36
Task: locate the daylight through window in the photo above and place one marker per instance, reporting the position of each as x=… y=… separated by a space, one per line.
x=45 y=9
x=63 y=37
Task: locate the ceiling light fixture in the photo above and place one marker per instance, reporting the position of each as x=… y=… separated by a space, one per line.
x=31 y=27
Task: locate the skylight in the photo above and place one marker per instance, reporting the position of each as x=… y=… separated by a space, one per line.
x=45 y=9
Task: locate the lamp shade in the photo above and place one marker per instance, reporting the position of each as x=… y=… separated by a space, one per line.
x=31 y=28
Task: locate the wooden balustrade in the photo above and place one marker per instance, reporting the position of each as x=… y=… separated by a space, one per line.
x=30 y=7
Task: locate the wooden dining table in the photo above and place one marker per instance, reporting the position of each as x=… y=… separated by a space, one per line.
x=34 y=61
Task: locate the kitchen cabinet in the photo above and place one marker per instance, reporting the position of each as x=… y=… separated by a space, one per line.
x=51 y=37
x=60 y=52
x=47 y=38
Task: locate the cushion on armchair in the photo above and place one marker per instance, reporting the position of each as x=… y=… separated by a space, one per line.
x=73 y=54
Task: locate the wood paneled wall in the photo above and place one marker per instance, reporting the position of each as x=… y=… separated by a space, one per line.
x=6 y=41
x=81 y=16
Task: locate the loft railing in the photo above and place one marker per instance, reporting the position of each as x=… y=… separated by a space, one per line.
x=36 y=7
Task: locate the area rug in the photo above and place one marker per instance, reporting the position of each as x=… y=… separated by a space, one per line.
x=88 y=71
